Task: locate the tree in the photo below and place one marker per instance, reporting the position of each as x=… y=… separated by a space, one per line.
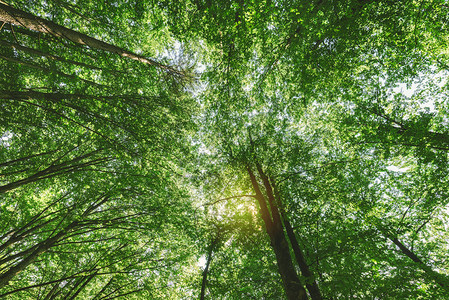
x=298 y=148
x=17 y=17
x=78 y=186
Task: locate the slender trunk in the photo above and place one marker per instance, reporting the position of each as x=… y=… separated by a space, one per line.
x=311 y=283
x=64 y=116
x=54 y=170
x=78 y=288
x=14 y=238
x=58 y=98
x=56 y=282
x=17 y=234
x=206 y=269
x=271 y=200
x=103 y=289
x=51 y=70
x=18 y=17
x=56 y=58
x=41 y=175
x=43 y=247
x=292 y=286
x=55 y=290
x=14 y=161
x=440 y=279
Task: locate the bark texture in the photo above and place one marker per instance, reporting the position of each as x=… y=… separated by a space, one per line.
x=206 y=269
x=18 y=17
x=311 y=283
x=292 y=285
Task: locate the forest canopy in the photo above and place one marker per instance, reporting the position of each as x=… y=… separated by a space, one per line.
x=197 y=149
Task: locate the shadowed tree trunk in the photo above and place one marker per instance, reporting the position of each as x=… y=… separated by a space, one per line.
x=56 y=169
x=18 y=17
x=41 y=248
x=206 y=269
x=311 y=283
x=273 y=225
x=56 y=58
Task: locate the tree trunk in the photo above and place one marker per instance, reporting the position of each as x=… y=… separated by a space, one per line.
x=53 y=70
x=54 y=170
x=43 y=247
x=56 y=58
x=292 y=286
x=206 y=269
x=311 y=283
x=17 y=17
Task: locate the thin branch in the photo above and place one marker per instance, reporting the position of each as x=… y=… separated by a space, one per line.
x=406 y=211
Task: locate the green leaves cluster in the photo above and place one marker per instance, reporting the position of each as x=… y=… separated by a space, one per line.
x=123 y=166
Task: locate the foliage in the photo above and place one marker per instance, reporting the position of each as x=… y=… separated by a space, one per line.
x=186 y=144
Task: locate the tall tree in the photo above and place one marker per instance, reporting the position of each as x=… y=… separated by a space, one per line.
x=313 y=134
x=17 y=17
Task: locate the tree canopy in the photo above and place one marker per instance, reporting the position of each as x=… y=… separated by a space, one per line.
x=224 y=149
